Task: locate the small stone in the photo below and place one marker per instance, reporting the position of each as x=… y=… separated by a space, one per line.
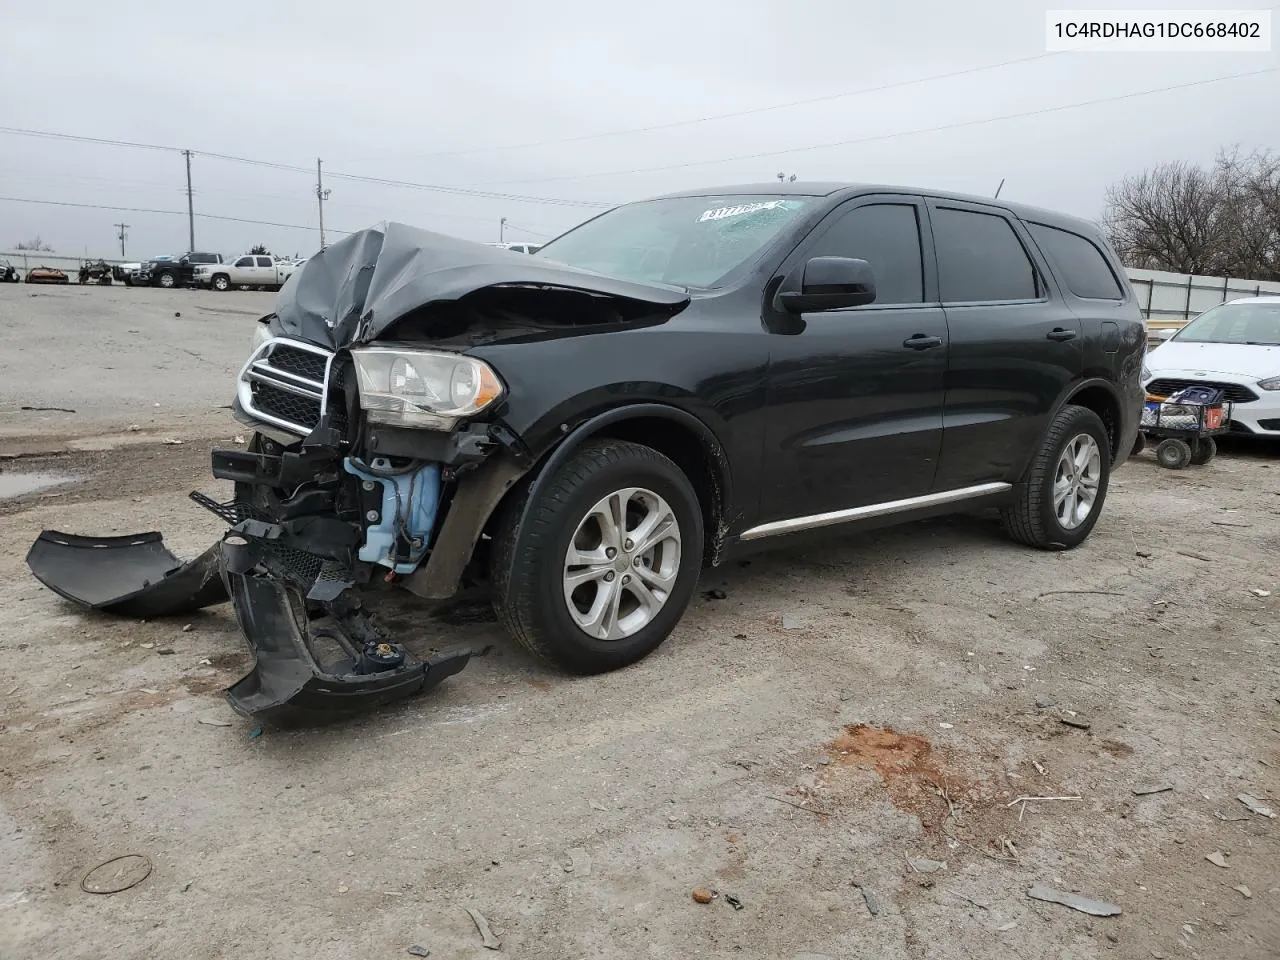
x=1044 y=703
x=187 y=628
x=703 y=896
x=1217 y=859
x=146 y=646
x=716 y=595
x=417 y=951
x=343 y=888
x=166 y=651
x=1113 y=938
x=947 y=726
x=1244 y=891
x=1006 y=927
x=1076 y=722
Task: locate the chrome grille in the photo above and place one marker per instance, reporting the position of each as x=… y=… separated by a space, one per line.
x=284 y=384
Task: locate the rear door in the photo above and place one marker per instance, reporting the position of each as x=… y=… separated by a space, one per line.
x=856 y=395
x=266 y=272
x=1015 y=345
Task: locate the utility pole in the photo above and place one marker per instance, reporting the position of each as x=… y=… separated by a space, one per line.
x=191 y=214
x=321 y=196
x=502 y=228
x=122 y=235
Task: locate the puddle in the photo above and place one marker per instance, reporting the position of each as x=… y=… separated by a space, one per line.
x=20 y=484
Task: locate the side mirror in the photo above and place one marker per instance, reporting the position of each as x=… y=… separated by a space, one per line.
x=828 y=283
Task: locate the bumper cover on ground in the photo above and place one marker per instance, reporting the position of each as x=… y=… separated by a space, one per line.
x=132 y=576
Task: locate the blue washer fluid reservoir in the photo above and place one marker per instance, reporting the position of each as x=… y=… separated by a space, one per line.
x=409 y=504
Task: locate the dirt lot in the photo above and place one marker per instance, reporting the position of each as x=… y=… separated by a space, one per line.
x=838 y=711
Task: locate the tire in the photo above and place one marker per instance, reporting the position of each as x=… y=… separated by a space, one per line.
x=221 y=282
x=1034 y=517
x=1173 y=454
x=530 y=566
x=167 y=280
x=1205 y=451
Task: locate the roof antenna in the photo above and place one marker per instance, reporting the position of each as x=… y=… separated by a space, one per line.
x=998 y=189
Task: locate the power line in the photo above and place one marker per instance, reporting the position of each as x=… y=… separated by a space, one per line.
x=167 y=213
x=890 y=136
x=292 y=168
x=750 y=111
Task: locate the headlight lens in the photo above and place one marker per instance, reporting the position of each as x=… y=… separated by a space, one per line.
x=423 y=388
x=1272 y=384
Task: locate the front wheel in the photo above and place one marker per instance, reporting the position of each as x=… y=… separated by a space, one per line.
x=1060 y=499
x=221 y=283
x=606 y=559
x=167 y=280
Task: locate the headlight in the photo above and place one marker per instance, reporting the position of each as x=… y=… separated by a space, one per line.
x=1272 y=384
x=422 y=388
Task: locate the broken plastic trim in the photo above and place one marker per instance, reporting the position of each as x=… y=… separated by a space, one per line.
x=131 y=576
x=288 y=685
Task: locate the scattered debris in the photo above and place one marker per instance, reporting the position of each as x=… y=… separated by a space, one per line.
x=130 y=870
x=715 y=595
x=1195 y=556
x=926 y=866
x=1044 y=703
x=1224 y=523
x=1096 y=908
x=487 y=939
x=1256 y=806
x=1150 y=788
x=48 y=409
x=166 y=651
x=172 y=442
x=417 y=951
x=870 y=899
x=703 y=896
x=947 y=726
x=1261 y=593
x=1244 y=891
x=733 y=901
x=596 y=805
x=1006 y=927
x=799 y=806
x=1100 y=593
x=187 y=628
x=255 y=733
x=215 y=723
x=1145 y=554
x=1226 y=819
x=1217 y=859
x=343 y=888
x=134 y=428
x=1040 y=768
x=1025 y=799
x=579 y=862
x=1076 y=722
x=968 y=899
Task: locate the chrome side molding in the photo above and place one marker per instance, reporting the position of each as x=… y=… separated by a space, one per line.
x=836 y=517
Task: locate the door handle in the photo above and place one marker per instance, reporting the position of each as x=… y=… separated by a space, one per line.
x=921 y=342
x=1060 y=335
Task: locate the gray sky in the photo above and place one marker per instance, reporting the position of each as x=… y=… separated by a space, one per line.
x=396 y=89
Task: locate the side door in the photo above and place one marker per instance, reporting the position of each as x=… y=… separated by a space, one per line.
x=242 y=271
x=1015 y=344
x=856 y=394
x=266 y=272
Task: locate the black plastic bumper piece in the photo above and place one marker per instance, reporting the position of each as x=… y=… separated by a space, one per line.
x=132 y=576
x=289 y=686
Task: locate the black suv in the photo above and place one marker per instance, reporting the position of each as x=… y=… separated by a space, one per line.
x=179 y=272
x=665 y=387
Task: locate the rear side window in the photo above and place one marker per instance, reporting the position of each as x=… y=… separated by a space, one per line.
x=1084 y=269
x=264 y=261
x=887 y=236
x=981 y=259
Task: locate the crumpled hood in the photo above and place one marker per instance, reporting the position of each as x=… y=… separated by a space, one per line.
x=1239 y=359
x=353 y=291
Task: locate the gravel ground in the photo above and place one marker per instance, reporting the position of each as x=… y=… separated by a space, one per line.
x=801 y=744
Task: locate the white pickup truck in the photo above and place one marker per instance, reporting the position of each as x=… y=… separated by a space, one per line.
x=251 y=270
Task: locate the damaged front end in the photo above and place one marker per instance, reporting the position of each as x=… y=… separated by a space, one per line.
x=373 y=461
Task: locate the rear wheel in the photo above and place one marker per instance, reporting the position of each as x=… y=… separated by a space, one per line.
x=606 y=562
x=1204 y=451
x=1173 y=454
x=1060 y=499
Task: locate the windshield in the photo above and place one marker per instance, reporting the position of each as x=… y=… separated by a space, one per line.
x=685 y=241
x=1241 y=322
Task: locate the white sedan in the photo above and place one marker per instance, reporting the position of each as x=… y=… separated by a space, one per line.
x=1234 y=346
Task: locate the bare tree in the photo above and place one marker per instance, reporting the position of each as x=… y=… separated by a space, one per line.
x=1223 y=220
x=36 y=246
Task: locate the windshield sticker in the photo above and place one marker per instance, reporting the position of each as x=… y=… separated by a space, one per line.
x=723 y=213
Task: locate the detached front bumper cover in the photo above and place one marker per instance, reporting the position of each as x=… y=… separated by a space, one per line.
x=290 y=617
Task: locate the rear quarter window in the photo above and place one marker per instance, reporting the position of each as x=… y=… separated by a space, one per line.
x=1082 y=265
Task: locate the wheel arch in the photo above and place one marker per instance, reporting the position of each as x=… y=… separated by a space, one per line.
x=675 y=433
